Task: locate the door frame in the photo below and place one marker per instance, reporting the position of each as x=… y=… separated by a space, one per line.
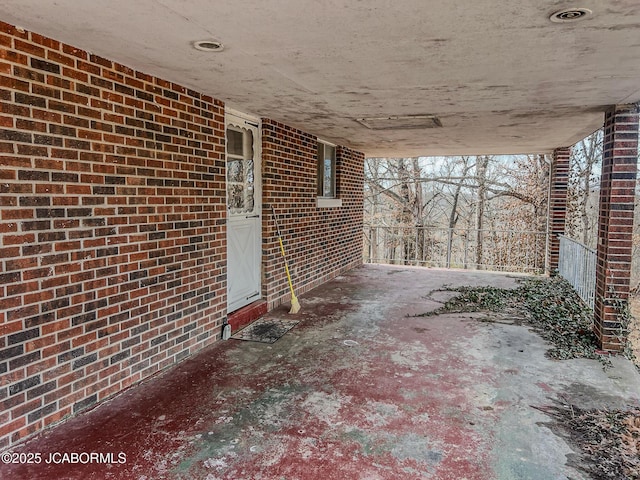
x=242 y=120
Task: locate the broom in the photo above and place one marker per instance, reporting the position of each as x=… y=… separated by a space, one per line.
x=295 y=305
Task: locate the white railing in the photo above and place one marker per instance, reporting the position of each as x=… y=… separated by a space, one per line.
x=577 y=265
x=497 y=250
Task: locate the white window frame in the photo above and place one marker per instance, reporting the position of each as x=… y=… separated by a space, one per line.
x=326 y=201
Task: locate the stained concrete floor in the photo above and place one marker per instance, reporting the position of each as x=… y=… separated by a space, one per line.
x=359 y=389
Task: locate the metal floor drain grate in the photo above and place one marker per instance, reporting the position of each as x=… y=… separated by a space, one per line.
x=265 y=330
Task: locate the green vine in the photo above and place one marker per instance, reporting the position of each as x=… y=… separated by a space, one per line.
x=549 y=305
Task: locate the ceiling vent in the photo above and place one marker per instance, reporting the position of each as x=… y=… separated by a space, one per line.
x=570 y=15
x=400 y=122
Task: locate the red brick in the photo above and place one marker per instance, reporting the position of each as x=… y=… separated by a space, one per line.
x=56 y=417
x=41 y=366
x=59 y=58
x=55 y=373
x=55 y=326
x=12 y=427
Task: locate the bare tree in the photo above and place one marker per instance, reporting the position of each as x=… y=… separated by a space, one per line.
x=481 y=176
x=425 y=205
x=454 y=214
x=584 y=179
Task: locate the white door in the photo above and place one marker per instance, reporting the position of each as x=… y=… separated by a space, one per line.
x=244 y=225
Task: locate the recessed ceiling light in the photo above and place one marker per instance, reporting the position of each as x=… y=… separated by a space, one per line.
x=570 y=15
x=208 y=46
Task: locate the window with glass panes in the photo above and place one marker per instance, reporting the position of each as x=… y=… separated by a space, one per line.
x=326 y=170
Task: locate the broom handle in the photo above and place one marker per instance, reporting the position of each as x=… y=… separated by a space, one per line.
x=286 y=268
x=275 y=220
x=286 y=264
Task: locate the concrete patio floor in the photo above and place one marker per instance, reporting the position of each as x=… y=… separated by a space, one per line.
x=359 y=389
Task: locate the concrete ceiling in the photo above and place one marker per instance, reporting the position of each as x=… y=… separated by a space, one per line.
x=499 y=75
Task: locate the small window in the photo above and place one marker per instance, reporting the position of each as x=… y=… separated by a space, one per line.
x=326 y=170
x=240 y=171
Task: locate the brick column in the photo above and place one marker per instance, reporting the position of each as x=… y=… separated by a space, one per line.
x=558 y=183
x=615 y=223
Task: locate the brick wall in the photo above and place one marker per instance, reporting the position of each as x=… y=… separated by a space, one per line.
x=320 y=242
x=112 y=230
x=615 y=223
x=559 y=184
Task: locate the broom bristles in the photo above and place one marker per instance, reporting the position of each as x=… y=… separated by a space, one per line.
x=295 y=305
